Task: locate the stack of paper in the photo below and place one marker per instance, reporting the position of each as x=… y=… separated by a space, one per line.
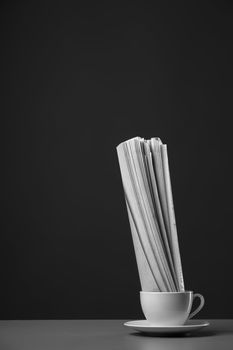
x=148 y=194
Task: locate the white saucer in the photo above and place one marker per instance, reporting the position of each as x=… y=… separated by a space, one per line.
x=146 y=327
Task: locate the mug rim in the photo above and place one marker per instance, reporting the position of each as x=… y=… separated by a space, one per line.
x=185 y=292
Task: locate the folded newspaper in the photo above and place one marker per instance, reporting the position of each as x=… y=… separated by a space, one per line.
x=148 y=195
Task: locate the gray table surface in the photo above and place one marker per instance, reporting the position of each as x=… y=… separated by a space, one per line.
x=106 y=334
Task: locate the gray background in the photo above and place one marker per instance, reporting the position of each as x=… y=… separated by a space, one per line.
x=79 y=78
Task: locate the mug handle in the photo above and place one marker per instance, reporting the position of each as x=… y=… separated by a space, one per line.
x=202 y=302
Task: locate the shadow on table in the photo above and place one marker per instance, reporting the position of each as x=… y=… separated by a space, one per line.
x=208 y=333
x=186 y=341
x=140 y=341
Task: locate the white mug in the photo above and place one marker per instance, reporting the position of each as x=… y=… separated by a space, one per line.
x=169 y=308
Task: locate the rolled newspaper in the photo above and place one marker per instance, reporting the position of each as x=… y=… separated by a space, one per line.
x=148 y=195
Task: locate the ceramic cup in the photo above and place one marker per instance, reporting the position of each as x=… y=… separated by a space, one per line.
x=168 y=308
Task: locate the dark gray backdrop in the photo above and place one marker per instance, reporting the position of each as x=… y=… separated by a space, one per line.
x=79 y=78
